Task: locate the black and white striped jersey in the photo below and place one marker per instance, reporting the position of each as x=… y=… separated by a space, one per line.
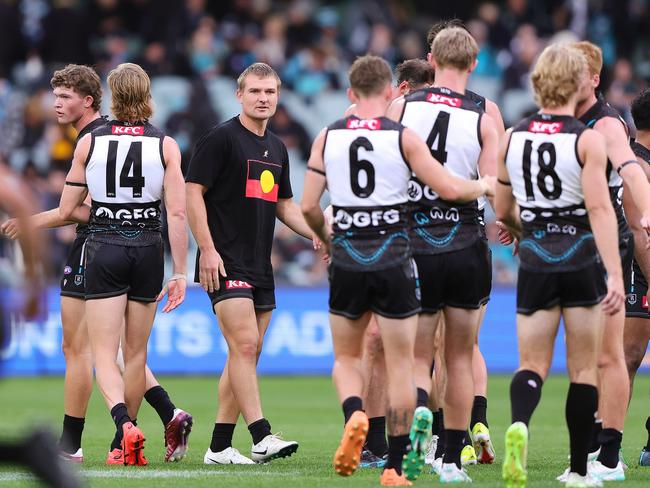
x=450 y=123
x=545 y=172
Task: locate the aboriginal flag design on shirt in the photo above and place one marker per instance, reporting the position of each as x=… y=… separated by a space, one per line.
x=262 y=180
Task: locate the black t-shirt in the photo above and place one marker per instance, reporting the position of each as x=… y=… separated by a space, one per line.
x=82 y=229
x=244 y=174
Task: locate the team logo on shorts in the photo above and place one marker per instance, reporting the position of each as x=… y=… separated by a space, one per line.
x=234 y=284
x=67 y=270
x=78 y=279
x=631 y=298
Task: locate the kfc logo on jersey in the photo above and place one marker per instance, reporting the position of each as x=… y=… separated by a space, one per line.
x=438 y=98
x=370 y=124
x=135 y=130
x=545 y=127
x=235 y=284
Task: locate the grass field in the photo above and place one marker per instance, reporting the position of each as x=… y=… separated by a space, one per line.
x=304 y=409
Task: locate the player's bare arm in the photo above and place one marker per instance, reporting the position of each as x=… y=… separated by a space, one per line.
x=75 y=189
x=634 y=217
x=210 y=262
x=619 y=153
x=290 y=215
x=602 y=219
x=431 y=172
x=174 y=187
x=505 y=204
x=315 y=183
x=492 y=109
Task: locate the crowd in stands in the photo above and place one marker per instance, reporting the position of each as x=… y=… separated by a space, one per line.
x=194 y=50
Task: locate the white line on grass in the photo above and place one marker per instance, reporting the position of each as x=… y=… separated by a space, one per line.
x=154 y=473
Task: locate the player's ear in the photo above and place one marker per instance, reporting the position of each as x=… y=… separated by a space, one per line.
x=88 y=101
x=404 y=88
x=595 y=81
x=352 y=96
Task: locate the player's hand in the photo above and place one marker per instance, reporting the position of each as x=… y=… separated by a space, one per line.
x=10 y=228
x=645 y=223
x=175 y=291
x=615 y=299
x=503 y=234
x=210 y=269
x=490 y=183
x=515 y=247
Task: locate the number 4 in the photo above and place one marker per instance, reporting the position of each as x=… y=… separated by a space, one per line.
x=133 y=161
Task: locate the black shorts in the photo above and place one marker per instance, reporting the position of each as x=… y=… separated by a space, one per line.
x=72 y=281
x=393 y=292
x=636 y=289
x=540 y=291
x=114 y=269
x=626 y=250
x=485 y=275
x=456 y=279
x=263 y=298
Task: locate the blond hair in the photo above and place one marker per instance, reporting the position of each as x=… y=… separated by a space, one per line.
x=369 y=75
x=557 y=75
x=261 y=70
x=454 y=47
x=130 y=93
x=83 y=80
x=593 y=54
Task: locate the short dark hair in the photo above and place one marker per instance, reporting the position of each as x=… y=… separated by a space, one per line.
x=440 y=26
x=261 y=70
x=641 y=110
x=369 y=75
x=416 y=72
x=82 y=79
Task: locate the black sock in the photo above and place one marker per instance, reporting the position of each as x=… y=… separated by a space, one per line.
x=398 y=446
x=525 y=393
x=467 y=440
x=158 y=398
x=596 y=429
x=376 y=440
x=222 y=437
x=647 y=427
x=610 y=443
x=11 y=452
x=70 y=440
x=351 y=405
x=116 y=443
x=581 y=405
x=440 y=448
x=479 y=412
x=259 y=430
x=454 y=446
x=423 y=398
x=120 y=415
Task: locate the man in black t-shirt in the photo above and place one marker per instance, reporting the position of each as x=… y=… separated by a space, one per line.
x=237 y=184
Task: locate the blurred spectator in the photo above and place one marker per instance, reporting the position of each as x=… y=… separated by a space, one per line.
x=292 y=133
x=206 y=49
x=12 y=46
x=525 y=47
x=311 y=71
x=272 y=47
x=66 y=34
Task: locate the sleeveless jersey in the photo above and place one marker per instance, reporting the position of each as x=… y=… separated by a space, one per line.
x=367 y=177
x=599 y=110
x=545 y=172
x=641 y=151
x=481 y=101
x=450 y=123
x=125 y=170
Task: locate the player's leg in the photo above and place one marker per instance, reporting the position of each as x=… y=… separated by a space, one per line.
x=437 y=396
x=460 y=335
x=636 y=337
x=398 y=336
x=424 y=353
x=583 y=327
x=78 y=383
x=374 y=397
x=347 y=374
x=536 y=337
x=177 y=422
x=478 y=424
x=613 y=380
